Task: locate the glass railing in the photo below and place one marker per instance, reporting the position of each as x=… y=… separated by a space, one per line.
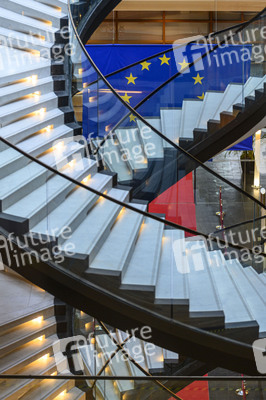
x=174 y=183
x=146 y=388
x=207 y=79
x=74 y=224
x=71 y=229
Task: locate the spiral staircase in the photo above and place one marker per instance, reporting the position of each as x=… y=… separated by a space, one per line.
x=48 y=181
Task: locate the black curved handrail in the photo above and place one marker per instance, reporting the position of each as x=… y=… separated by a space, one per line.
x=134 y=112
x=84 y=295
x=121 y=203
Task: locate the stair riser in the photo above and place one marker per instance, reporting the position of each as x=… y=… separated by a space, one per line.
x=43 y=88
x=42 y=72
x=46 y=313
x=17 y=137
x=9 y=118
x=29 y=12
x=50 y=330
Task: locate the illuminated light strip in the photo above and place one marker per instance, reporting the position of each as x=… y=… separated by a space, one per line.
x=38 y=319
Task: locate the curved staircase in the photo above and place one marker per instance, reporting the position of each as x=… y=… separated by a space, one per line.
x=110 y=245
x=28 y=331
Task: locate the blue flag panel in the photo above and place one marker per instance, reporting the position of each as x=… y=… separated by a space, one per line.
x=214 y=71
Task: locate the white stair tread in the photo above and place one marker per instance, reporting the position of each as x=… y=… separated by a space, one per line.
x=254 y=300
x=26 y=104
x=170 y=356
x=230 y=95
x=170 y=119
x=115 y=253
x=130 y=346
x=203 y=296
x=117 y=366
x=190 y=114
x=22 y=37
x=143 y=266
x=234 y=306
x=15 y=62
x=131 y=146
x=96 y=224
x=172 y=278
x=40 y=198
x=113 y=159
x=30 y=124
x=155 y=358
x=26 y=351
x=43 y=10
x=28 y=22
x=256 y=280
x=210 y=103
x=153 y=143
x=78 y=202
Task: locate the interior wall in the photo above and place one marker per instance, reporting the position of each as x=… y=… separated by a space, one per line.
x=163 y=27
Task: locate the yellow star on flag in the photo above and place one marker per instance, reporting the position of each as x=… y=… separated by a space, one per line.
x=145 y=65
x=126 y=97
x=201 y=97
x=164 y=60
x=198 y=79
x=132 y=118
x=183 y=64
x=131 y=79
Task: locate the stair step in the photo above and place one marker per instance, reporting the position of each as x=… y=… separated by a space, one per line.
x=41 y=201
x=155 y=358
x=15 y=21
x=95 y=228
x=203 y=297
x=130 y=346
x=131 y=147
x=24 y=181
x=118 y=367
x=170 y=120
x=72 y=211
x=190 y=113
x=210 y=104
x=20 y=108
x=172 y=282
x=50 y=389
x=152 y=143
x=115 y=254
x=20 y=65
x=256 y=279
x=141 y=273
x=73 y=394
x=14 y=389
x=15 y=39
x=112 y=157
x=36 y=10
x=13 y=92
x=11 y=160
x=253 y=298
x=46 y=311
x=170 y=357
x=56 y=3
x=26 y=332
x=235 y=308
x=26 y=354
x=20 y=130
